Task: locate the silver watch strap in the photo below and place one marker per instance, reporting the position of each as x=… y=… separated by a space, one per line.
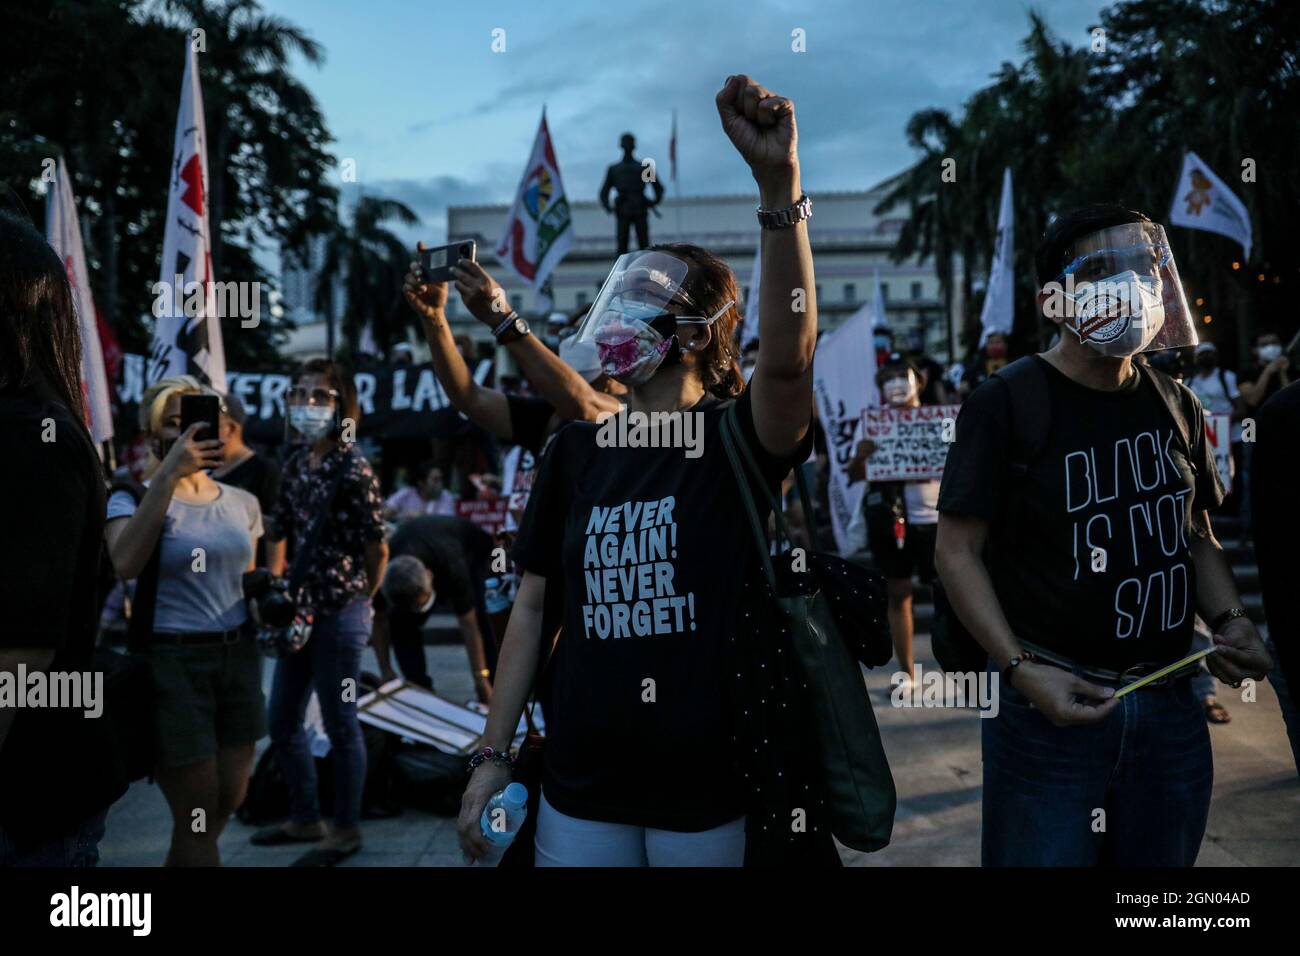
x=782 y=218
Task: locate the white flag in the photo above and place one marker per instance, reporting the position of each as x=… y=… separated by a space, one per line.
x=187 y=330
x=63 y=232
x=749 y=330
x=1203 y=201
x=539 y=230
x=998 y=313
x=844 y=384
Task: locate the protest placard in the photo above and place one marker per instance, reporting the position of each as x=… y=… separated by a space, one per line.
x=911 y=443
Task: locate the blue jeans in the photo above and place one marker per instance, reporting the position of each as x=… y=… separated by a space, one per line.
x=331 y=656
x=1147 y=765
x=77 y=849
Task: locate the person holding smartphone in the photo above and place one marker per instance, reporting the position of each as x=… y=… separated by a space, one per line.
x=206 y=668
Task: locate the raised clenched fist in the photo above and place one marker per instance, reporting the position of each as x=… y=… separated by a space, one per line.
x=760 y=124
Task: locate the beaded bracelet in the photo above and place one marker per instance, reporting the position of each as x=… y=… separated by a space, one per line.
x=487 y=753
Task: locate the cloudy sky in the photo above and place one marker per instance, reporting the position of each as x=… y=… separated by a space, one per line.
x=414 y=93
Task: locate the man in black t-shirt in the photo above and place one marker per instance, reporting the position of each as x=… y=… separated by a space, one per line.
x=447 y=560
x=1079 y=562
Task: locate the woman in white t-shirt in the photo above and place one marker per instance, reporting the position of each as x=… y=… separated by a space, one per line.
x=206 y=669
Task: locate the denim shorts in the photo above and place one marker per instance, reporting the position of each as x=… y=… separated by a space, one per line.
x=206 y=696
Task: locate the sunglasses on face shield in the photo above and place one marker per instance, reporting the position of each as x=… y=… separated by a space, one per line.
x=1099 y=263
x=311 y=396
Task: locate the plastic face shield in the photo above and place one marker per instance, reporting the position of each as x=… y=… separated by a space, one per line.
x=644 y=289
x=1119 y=292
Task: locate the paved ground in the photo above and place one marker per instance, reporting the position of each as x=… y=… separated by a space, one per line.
x=1254 y=820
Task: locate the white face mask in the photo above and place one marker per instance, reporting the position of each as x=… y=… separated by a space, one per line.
x=1270 y=353
x=1118 y=316
x=899 y=391
x=312 y=421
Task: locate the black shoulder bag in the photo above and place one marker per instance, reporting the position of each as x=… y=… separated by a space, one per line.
x=128 y=681
x=855 y=777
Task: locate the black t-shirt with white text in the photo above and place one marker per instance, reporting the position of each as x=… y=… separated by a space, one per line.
x=651 y=548
x=1091 y=560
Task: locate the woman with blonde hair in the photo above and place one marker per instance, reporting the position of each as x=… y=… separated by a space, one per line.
x=188 y=540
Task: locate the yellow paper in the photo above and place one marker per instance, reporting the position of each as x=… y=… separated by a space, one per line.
x=1156 y=675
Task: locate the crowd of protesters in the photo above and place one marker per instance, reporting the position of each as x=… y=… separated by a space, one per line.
x=625 y=784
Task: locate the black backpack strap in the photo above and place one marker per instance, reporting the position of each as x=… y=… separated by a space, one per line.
x=1179 y=401
x=1031 y=411
x=140 y=629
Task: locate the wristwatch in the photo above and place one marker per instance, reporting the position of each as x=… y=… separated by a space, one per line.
x=781 y=218
x=1233 y=612
x=512 y=329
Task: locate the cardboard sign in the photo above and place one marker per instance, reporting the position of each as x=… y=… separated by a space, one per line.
x=414 y=713
x=910 y=443
x=1218 y=432
x=489 y=514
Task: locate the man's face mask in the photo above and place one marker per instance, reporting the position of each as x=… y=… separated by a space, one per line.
x=1119 y=315
x=1120 y=294
x=1270 y=353
x=312 y=421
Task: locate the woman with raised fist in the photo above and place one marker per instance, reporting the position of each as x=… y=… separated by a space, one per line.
x=648 y=546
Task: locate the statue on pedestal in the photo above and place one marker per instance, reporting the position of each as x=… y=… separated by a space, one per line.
x=628 y=177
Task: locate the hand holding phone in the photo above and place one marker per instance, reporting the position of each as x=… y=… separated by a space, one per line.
x=436 y=263
x=199 y=446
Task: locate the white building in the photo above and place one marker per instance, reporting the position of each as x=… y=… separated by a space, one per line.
x=298 y=296
x=850 y=244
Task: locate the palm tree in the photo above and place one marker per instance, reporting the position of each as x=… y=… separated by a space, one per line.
x=372 y=262
x=932 y=229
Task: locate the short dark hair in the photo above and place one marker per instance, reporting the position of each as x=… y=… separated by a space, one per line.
x=341 y=381
x=1063 y=231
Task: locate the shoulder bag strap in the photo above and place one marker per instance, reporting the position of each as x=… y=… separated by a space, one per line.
x=735 y=450
x=1171 y=393
x=298 y=570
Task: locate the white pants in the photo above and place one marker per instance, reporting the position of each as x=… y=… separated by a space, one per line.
x=569 y=841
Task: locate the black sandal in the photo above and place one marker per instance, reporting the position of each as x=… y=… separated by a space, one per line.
x=279 y=836
x=325 y=856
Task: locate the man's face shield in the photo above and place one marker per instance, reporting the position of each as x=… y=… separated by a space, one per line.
x=1120 y=294
x=638 y=311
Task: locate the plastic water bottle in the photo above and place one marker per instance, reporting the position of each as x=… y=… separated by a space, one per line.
x=502 y=819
